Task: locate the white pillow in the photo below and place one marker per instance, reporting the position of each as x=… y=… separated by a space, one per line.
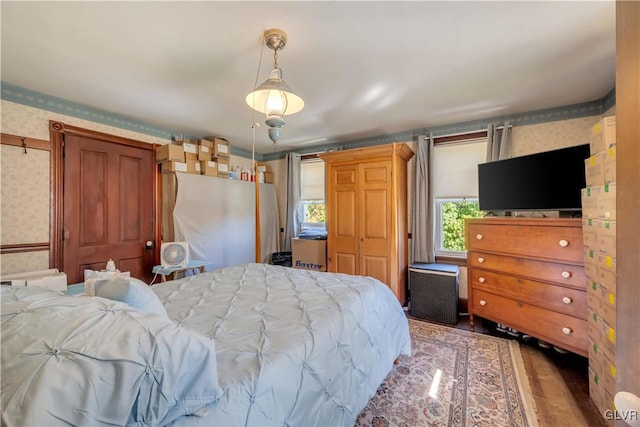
x=131 y=291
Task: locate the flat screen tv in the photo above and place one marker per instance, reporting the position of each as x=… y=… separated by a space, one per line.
x=548 y=181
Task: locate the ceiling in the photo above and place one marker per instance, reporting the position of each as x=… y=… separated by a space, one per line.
x=364 y=69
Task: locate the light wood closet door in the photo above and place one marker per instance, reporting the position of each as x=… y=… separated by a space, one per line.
x=375 y=219
x=345 y=216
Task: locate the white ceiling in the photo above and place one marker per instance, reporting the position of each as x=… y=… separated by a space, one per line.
x=364 y=69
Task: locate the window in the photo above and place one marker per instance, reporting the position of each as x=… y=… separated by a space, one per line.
x=450 y=215
x=312 y=193
x=455 y=190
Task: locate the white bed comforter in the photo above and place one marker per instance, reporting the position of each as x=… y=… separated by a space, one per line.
x=294 y=347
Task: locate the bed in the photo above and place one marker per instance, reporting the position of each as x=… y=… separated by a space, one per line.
x=253 y=344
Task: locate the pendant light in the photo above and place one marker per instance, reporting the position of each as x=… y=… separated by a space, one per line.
x=274 y=97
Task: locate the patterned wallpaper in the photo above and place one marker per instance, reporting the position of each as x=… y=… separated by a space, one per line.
x=549 y=136
x=24 y=192
x=24 y=261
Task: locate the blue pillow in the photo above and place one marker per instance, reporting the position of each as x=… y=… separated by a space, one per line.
x=118 y=365
x=131 y=291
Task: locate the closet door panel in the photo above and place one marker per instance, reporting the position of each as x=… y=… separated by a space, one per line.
x=377 y=267
x=343 y=230
x=346 y=263
x=375 y=220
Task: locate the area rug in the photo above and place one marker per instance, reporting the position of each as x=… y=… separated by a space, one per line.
x=453 y=378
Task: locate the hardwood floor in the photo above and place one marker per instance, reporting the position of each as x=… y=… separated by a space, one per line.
x=559 y=381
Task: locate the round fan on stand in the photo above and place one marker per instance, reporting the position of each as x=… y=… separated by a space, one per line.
x=174 y=254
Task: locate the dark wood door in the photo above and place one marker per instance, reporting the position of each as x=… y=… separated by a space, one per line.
x=108 y=207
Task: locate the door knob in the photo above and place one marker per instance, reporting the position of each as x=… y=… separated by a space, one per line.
x=149 y=244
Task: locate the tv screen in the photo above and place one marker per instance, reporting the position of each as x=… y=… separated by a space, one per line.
x=551 y=180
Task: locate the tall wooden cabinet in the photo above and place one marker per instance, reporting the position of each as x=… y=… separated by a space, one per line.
x=367 y=213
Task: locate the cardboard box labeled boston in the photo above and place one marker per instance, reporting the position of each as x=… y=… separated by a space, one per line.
x=170 y=152
x=309 y=254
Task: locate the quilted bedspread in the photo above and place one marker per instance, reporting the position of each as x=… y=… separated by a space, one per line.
x=294 y=347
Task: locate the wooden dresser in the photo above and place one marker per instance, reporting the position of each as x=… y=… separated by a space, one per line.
x=528 y=273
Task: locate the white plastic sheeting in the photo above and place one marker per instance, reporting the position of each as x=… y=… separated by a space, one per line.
x=217 y=218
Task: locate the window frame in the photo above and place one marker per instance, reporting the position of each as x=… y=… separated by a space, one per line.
x=303 y=202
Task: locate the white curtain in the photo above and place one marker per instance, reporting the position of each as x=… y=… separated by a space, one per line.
x=293 y=212
x=422 y=226
x=498 y=142
x=217 y=218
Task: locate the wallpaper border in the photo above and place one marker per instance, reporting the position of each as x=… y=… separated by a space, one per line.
x=35 y=99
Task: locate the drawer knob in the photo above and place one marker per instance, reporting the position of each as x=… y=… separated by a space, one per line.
x=566 y=331
x=563 y=243
x=480 y=260
x=566 y=274
x=567 y=300
x=481 y=279
x=483 y=302
x=479 y=236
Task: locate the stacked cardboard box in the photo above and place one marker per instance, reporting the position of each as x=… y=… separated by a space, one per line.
x=599 y=237
x=220 y=151
x=265 y=172
x=178 y=157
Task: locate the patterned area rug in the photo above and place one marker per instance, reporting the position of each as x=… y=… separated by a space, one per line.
x=453 y=378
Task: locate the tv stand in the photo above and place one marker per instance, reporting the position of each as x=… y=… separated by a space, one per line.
x=528 y=273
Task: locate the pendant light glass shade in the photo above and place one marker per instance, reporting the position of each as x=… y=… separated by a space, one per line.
x=274 y=97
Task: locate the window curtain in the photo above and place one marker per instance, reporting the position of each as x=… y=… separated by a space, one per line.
x=498 y=142
x=422 y=225
x=293 y=212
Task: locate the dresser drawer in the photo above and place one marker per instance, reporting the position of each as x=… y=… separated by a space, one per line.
x=557 y=328
x=557 y=298
x=563 y=274
x=548 y=242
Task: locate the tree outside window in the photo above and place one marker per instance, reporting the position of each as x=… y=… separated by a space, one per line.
x=451 y=231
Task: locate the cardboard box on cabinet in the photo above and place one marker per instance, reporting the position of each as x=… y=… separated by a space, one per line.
x=223 y=167
x=169 y=152
x=263 y=167
x=204 y=153
x=209 y=168
x=206 y=143
x=193 y=166
x=268 y=178
x=221 y=148
x=309 y=254
x=170 y=166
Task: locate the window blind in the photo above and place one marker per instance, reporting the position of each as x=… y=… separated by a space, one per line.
x=312 y=180
x=456 y=168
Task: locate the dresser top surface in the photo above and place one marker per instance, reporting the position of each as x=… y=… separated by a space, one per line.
x=511 y=220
